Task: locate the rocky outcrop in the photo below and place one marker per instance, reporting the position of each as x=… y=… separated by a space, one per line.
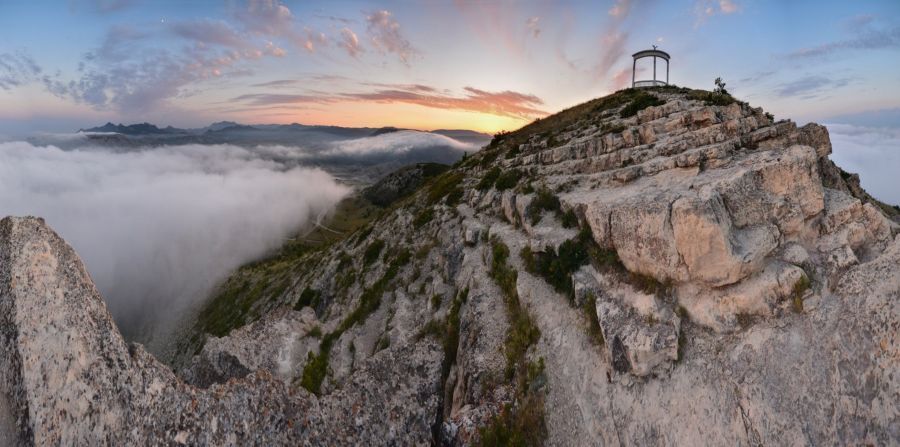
x=690 y=272
x=68 y=378
x=401 y=183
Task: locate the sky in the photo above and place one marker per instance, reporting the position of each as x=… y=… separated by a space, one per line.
x=482 y=65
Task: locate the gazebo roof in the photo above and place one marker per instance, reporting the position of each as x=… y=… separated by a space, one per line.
x=653 y=52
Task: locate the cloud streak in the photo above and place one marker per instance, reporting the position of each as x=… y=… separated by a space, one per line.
x=505 y=103
x=810 y=86
x=865 y=38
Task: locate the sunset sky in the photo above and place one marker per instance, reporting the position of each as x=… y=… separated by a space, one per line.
x=485 y=65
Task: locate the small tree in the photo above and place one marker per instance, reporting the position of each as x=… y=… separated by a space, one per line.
x=720 y=86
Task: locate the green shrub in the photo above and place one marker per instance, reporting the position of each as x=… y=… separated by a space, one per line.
x=362 y=235
x=569 y=219
x=444 y=185
x=488 y=179
x=557 y=268
x=309 y=297
x=436 y=300
x=647 y=283
x=641 y=101
x=516 y=426
x=434 y=328
x=373 y=251
x=423 y=217
x=544 y=200
x=800 y=288
x=711 y=98
x=316 y=332
x=383 y=343
x=508 y=179
x=454 y=196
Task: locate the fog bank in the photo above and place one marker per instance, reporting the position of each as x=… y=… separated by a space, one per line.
x=158 y=229
x=871 y=152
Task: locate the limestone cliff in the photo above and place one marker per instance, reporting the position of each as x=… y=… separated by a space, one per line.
x=656 y=267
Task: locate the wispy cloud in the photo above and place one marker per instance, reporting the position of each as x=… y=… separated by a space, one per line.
x=757 y=77
x=705 y=9
x=620 y=8
x=313 y=40
x=349 y=41
x=384 y=32
x=17 y=69
x=506 y=103
x=533 y=26
x=810 y=86
x=267 y=17
x=864 y=38
x=268 y=99
x=127 y=73
x=207 y=32
x=613 y=39
x=277 y=83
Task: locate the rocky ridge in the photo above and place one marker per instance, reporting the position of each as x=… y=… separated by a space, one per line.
x=656 y=267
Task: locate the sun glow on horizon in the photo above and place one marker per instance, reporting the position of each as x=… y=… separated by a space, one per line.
x=376 y=115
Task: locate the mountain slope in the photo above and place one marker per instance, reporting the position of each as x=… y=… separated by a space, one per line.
x=655 y=267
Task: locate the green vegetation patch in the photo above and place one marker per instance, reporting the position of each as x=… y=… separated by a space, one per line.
x=373 y=251
x=424 y=216
x=640 y=101
x=557 y=268
x=317 y=364
x=546 y=200
x=309 y=297
x=508 y=179
x=488 y=179
x=800 y=288
x=445 y=185
x=522 y=424
x=712 y=98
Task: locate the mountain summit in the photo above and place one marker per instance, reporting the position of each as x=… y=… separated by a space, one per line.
x=655 y=267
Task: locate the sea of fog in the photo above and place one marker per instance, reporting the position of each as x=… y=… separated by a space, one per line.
x=159 y=228
x=871 y=152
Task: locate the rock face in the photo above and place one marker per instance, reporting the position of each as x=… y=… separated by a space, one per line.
x=401 y=183
x=692 y=273
x=69 y=378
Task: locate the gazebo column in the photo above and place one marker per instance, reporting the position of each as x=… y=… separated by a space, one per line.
x=667 y=72
x=654 y=70
x=633 y=68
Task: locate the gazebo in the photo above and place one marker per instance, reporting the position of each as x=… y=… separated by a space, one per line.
x=654 y=53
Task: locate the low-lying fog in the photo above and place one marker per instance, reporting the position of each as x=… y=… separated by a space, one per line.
x=159 y=228
x=871 y=152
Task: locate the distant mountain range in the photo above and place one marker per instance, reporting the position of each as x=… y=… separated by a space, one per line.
x=356 y=155
x=230 y=128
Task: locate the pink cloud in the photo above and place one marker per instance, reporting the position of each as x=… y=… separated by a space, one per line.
x=350 y=42
x=505 y=103
x=384 y=31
